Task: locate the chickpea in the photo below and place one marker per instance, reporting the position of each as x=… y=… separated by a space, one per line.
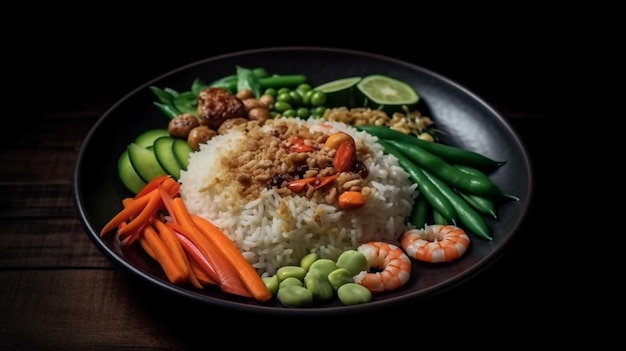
x=268 y=100
x=252 y=103
x=181 y=125
x=245 y=94
x=260 y=114
x=199 y=135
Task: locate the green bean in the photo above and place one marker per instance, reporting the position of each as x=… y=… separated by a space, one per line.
x=478 y=173
x=169 y=110
x=163 y=96
x=438 y=218
x=468 y=217
x=425 y=186
x=419 y=212
x=449 y=153
x=445 y=171
x=482 y=204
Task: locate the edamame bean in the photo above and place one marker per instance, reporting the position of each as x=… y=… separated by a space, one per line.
x=324 y=265
x=318 y=98
x=281 y=106
x=317 y=283
x=307 y=260
x=295 y=296
x=290 y=281
x=290 y=271
x=353 y=294
x=352 y=260
x=272 y=284
x=339 y=277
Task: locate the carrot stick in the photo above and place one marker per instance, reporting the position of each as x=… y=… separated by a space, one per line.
x=196 y=256
x=166 y=199
x=132 y=208
x=144 y=216
x=251 y=279
x=147 y=248
x=163 y=256
x=173 y=245
x=151 y=185
x=227 y=276
x=201 y=275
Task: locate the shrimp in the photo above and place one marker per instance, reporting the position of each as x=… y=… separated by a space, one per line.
x=393 y=263
x=435 y=243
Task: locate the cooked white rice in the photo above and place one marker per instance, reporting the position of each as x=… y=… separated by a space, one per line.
x=274 y=230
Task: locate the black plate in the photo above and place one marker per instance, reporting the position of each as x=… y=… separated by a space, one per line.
x=467 y=121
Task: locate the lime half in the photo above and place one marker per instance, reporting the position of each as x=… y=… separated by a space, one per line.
x=389 y=94
x=340 y=92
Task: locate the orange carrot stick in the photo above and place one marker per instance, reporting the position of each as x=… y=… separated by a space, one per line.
x=228 y=278
x=151 y=185
x=149 y=211
x=132 y=208
x=201 y=275
x=173 y=245
x=251 y=279
x=163 y=256
x=194 y=253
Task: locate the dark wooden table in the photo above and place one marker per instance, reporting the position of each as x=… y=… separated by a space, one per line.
x=57 y=290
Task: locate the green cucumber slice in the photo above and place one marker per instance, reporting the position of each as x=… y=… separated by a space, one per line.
x=147 y=138
x=129 y=177
x=165 y=156
x=181 y=150
x=340 y=92
x=144 y=162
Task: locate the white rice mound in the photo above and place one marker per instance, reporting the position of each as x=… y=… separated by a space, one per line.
x=274 y=231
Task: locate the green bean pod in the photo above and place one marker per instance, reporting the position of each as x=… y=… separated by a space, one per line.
x=438 y=218
x=169 y=110
x=419 y=213
x=425 y=186
x=449 y=153
x=483 y=205
x=468 y=217
x=445 y=171
x=478 y=173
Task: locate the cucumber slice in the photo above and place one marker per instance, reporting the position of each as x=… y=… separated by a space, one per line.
x=144 y=162
x=147 y=138
x=129 y=177
x=386 y=93
x=181 y=150
x=340 y=92
x=165 y=156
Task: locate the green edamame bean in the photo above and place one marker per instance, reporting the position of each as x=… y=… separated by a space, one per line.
x=318 y=98
x=318 y=284
x=303 y=112
x=290 y=271
x=282 y=106
x=290 y=113
x=290 y=281
x=303 y=88
x=339 y=277
x=284 y=97
x=307 y=260
x=323 y=265
x=296 y=98
x=295 y=296
x=353 y=261
x=318 y=111
x=272 y=284
x=353 y=294
x=272 y=92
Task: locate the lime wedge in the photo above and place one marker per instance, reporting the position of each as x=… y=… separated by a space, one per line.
x=340 y=92
x=389 y=94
